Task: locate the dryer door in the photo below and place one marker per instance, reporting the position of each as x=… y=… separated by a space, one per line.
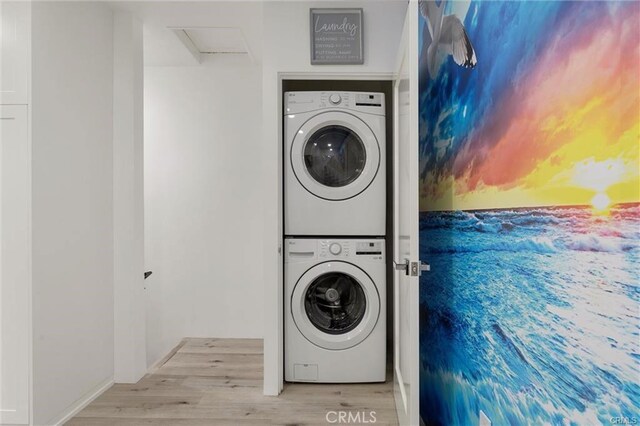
x=335 y=305
x=335 y=155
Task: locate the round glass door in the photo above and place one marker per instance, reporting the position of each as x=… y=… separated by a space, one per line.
x=335 y=303
x=334 y=156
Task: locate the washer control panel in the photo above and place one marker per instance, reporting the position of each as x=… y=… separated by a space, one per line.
x=350 y=249
x=310 y=249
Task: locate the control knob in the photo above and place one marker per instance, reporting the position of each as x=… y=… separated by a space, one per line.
x=335 y=98
x=335 y=249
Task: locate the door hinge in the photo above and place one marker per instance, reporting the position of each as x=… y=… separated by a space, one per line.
x=412 y=269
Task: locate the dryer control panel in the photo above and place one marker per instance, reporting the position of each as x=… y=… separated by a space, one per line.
x=299 y=102
x=299 y=249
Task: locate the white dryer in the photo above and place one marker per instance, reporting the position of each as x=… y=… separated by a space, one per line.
x=334 y=149
x=335 y=310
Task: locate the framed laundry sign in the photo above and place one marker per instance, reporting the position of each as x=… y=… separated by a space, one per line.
x=336 y=36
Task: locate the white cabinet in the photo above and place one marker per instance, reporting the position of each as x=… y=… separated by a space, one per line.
x=15 y=197
x=14 y=51
x=15 y=194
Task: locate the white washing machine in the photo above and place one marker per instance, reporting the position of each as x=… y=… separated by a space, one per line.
x=334 y=149
x=335 y=310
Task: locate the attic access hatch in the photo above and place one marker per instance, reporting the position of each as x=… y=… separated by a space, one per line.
x=205 y=42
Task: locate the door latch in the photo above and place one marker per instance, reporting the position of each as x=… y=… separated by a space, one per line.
x=412 y=269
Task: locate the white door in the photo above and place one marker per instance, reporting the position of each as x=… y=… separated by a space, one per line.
x=406 y=295
x=14 y=265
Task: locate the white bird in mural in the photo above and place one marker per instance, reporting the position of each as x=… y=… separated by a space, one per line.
x=447 y=34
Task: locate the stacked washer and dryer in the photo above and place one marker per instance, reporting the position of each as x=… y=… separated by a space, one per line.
x=335 y=218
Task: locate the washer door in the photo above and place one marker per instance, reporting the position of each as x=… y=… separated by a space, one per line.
x=335 y=155
x=335 y=305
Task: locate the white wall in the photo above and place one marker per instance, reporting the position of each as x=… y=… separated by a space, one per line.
x=286 y=50
x=203 y=225
x=73 y=306
x=130 y=361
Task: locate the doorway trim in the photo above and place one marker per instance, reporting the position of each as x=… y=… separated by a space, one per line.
x=273 y=230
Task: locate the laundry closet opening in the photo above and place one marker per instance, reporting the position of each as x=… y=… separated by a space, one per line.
x=202 y=120
x=320 y=172
x=203 y=202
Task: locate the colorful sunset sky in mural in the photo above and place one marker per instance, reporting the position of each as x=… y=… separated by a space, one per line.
x=550 y=115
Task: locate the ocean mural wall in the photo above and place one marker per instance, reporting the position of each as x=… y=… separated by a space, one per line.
x=530 y=214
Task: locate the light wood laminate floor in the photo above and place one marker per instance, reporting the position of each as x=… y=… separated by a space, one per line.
x=219 y=382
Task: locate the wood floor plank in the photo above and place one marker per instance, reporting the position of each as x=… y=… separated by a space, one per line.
x=209 y=383
x=222 y=346
x=219 y=382
x=103 y=421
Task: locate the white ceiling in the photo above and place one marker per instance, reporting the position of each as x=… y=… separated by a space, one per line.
x=213 y=26
x=216 y=39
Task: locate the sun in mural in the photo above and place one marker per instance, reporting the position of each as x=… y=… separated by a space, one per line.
x=599 y=176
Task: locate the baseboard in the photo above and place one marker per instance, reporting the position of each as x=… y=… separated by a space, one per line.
x=159 y=363
x=82 y=402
